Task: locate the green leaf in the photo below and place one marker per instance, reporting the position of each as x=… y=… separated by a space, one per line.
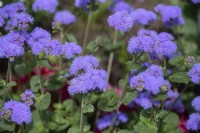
x=131 y=65
x=88 y=108
x=11 y=84
x=162 y=114
x=122 y=83
x=35 y=83
x=176 y=60
x=74 y=130
x=56 y=82
x=86 y=128
x=145 y=126
x=2 y=82
x=161 y=97
x=52 y=125
x=125 y=131
x=7 y=126
x=179 y=77
x=129 y=97
x=69 y=105
x=71 y=38
x=43 y=101
x=21 y=69
x=44 y=63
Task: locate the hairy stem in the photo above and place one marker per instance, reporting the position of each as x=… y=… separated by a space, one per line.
x=89 y=20
x=9 y=76
x=81 y=118
x=111 y=56
x=39 y=74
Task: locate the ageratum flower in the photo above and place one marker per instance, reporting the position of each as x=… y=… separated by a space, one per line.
x=83 y=3
x=172 y=98
x=64 y=17
x=106 y=120
x=10 y=10
x=20 y=21
x=151 y=80
x=121 y=21
x=194 y=122
x=171 y=15
x=28 y=97
x=195 y=103
x=158 y=45
x=69 y=50
x=90 y=81
x=120 y=6
x=54 y=48
x=16 y=38
x=37 y=39
x=195 y=1
x=45 y=5
x=194 y=74
x=83 y=63
x=10 y=49
x=20 y=112
x=142 y=16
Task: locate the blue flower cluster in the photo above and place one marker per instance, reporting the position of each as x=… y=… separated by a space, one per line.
x=16 y=112
x=88 y=77
x=158 y=45
x=83 y=3
x=142 y=16
x=172 y=97
x=194 y=119
x=196 y=1
x=171 y=15
x=151 y=80
x=45 y=5
x=69 y=50
x=28 y=97
x=106 y=120
x=121 y=21
x=64 y=17
x=120 y=6
x=194 y=73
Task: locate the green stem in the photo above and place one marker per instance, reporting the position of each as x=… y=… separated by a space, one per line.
x=81 y=118
x=111 y=56
x=119 y=103
x=39 y=74
x=89 y=20
x=9 y=75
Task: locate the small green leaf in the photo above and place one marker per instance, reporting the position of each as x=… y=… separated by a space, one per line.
x=179 y=77
x=35 y=83
x=74 y=130
x=71 y=38
x=7 y=126
x=125 y=131
x=43 y=101
x=44 y=63
x=161 y=97
x=88 y=108
x=131 y=65
x=86 y=128
x=2 y=82
x=21 y=69
x=11 y=84
x=176 y=60
x=122 y=83
x=129 y=97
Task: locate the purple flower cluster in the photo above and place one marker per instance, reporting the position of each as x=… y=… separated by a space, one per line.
x=171 y=15
x=28 y=97
x=195 y=1
x=194 y=119
x=194 y=74
x=16 y=112
x=142 y=16
x=45 y=5
x=88 y=77
x=64 y=17
x=158 y=45
x=172 y=97
x=83 y=3
x=121 y=21
x=69 y=50
x=151 y=80
x=120 y=6
x=106 y=120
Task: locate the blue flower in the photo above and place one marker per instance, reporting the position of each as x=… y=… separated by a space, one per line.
x=106 y=120
x=171 y=15
x=194 y=122
x=194 y=73
x=45 y=5
x=120 y=6
x=28 y=97
x=64 y=17
x=69 y=50
x=196 y=103
x=142 y=16
x=121 y=21
x=21 y=112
